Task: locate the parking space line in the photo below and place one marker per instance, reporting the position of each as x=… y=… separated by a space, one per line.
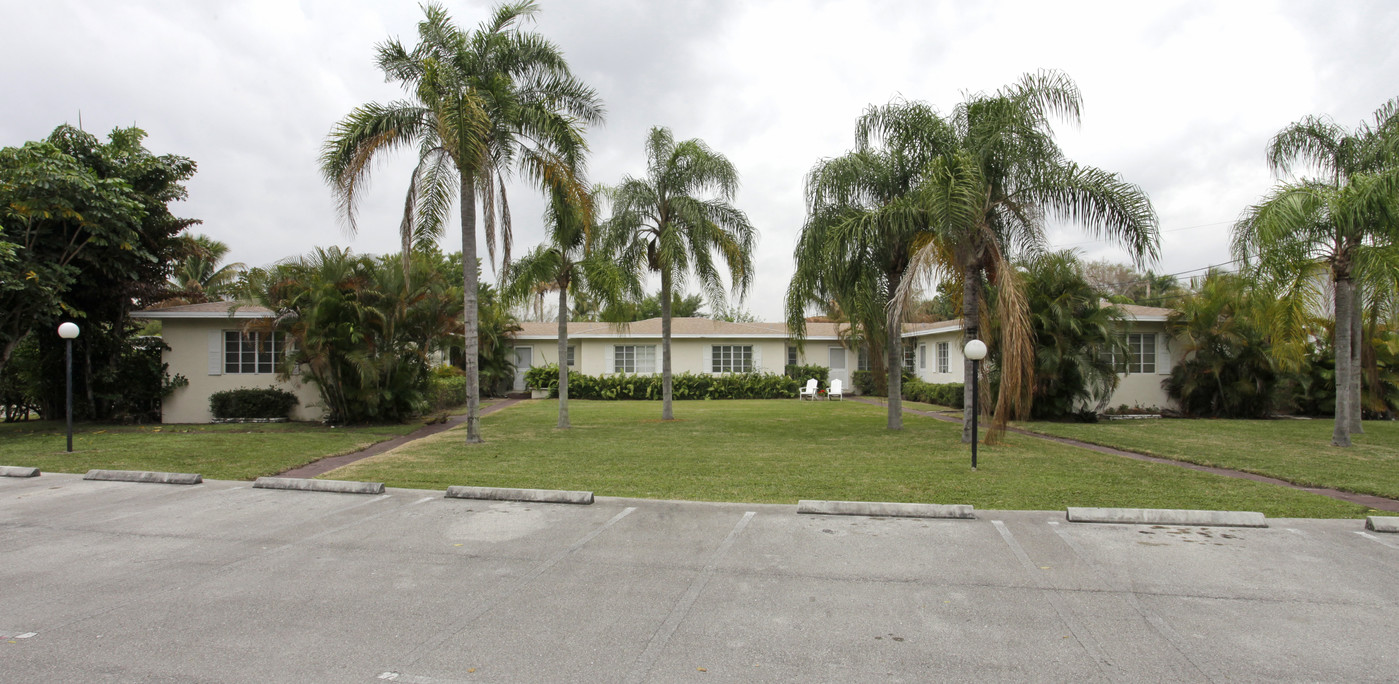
x=511 y=589
x=1056 y=600
x=1377 y=540
x=662 y=635
x=1169 y=633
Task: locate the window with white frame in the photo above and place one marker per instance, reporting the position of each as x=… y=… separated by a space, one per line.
x=922 y=356
x=1141 y=354
x=791 y=355
x=731 y=358
x=570 y=354
x=908 y=356
x=942 y=357
x=634 y=358
x=862 y=360
x=250 y=353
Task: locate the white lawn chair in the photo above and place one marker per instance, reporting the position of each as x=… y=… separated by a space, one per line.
x=809 y=391
x=836 y=391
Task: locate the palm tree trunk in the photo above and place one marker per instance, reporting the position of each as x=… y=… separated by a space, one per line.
x=470 y=309
x=971 y=328
x=893 y=356
x=667 y=413
x=563 y=356
x=1357 y=345
x=1345 y=291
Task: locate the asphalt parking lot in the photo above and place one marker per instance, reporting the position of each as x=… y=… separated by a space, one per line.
x=220 y=582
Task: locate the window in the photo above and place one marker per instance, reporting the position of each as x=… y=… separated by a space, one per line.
x=942 y=357
x=922 y=356
x=731 y=358
x=249 y=353
x=570 y=355
x=908 y=356
x=1141 y=354
x=862 y=361
x=634 y=358
x=791 y=356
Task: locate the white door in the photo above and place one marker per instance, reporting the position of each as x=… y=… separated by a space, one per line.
x=524 y=360
x=837 y=366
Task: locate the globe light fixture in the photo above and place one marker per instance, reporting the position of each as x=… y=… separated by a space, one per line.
x=69 y=330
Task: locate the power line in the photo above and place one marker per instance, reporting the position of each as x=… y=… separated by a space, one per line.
x=1173 y=230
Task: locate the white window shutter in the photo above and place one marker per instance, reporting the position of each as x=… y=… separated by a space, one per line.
x=706 y=358
x=1163 y=355
x=757 y=358
x=610 y=365
x=215 y=352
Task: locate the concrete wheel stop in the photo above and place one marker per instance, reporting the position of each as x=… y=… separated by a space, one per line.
x=302 y=484
x=1382 y=523
x=885 y=509
x=144 y=476
x=16 y=471
x=1167 y=516
x=526 y=495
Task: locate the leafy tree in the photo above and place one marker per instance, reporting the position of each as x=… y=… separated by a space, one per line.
x=1127 y=285
x=567 y=262
x=681 y=306
x=198 y=275
x=734 y=314
x=863 y=227
x=1346 y=221
x=675 y=229
x=1228 y=370
x=988 y=195
x=483 y=104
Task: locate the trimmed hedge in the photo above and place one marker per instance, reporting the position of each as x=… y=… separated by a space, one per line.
x=683 y=385
x=248 y=402
x=446 y=391
x=948 y=394
x=803 y=373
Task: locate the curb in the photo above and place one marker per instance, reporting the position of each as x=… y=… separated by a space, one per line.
x=529 y=495
x=302 y=484
x=16 y=471
x=1166 y=516
x=144 y=476
x=1382 y=523
x=885 y=509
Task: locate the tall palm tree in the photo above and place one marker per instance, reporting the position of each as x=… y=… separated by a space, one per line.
x=572 y=260
x=674 y=229
x=198 y=277
x=1344 y=220
x=481 y=105
x=863 y=227
x=988 y=198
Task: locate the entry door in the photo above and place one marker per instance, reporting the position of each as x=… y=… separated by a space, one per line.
x=837 y=365
x=524 y=360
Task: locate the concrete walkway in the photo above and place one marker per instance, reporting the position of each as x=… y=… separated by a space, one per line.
x=328 y=464
x=1378 y=503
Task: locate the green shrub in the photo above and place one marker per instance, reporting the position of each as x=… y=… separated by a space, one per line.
x=947 y=394
x=863 y=382
x=247 y=402
x=803 y=373
x=446 y=391
x=648 y=387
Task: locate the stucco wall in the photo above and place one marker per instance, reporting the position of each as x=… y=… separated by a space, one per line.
x=188 y=340
x=594 y=356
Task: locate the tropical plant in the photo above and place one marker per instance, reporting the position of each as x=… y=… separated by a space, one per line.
x=198 y=276
x=675 y=229
x=1227 y=369
x=572 y=260
x=483 y=104
x=988 y=196
x=1346 y=221
x=495 y=350
x=862 y=229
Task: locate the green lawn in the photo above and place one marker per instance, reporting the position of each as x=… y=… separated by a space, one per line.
x=1298 y=451
x=225 y=451
x=781 y=451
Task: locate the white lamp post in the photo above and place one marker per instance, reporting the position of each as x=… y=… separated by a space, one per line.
x=68 y=331
x=976 y=351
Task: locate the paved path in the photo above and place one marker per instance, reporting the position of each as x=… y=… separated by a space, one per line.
x=330 y=463
x=1376 y=502
x=220 y=582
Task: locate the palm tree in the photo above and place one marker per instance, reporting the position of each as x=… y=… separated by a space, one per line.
x=674 y=230
x=1345 y=221
x=198 y=277
x=482 y=104
x=570 y=263
x=989 y=196
x=863 y=227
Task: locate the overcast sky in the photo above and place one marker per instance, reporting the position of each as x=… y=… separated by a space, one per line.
x=1179 y=97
